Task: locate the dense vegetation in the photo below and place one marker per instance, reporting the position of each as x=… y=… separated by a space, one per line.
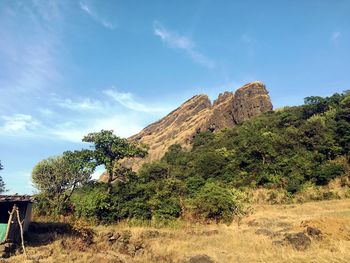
x=287 y=148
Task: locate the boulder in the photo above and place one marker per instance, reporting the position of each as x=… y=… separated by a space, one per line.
x=298 y=241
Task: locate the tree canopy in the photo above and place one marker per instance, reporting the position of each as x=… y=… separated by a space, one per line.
x=58 y=177
x=108 y=149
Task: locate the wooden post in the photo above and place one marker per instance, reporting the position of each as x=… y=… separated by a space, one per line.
x=21 y=228
x=9 y=223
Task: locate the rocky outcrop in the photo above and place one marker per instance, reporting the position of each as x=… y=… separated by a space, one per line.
x=198 y=114
x=250 y=100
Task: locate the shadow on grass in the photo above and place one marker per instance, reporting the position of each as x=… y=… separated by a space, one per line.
x=44 y=233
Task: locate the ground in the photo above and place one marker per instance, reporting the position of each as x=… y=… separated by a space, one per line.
x=311 y=232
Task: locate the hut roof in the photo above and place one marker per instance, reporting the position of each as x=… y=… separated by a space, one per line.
x=16 y=198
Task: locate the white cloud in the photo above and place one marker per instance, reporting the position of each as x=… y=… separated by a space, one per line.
x=85 y=104
x=123 y=125
x=127 y=100
x=88 y=10
x=173 y=40
x=17 y=123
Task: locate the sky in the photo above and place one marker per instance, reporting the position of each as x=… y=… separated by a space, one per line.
x=71 y=67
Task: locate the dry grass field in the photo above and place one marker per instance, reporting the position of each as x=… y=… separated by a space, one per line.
x=264 y=236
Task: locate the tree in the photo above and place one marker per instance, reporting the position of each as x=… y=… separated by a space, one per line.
x=109 y=149
x=2 y=184
x=58 y=177
x=343 y=125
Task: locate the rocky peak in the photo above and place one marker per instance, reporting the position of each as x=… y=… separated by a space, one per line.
x=223 y=97
x=250 y=100
x=198 y=114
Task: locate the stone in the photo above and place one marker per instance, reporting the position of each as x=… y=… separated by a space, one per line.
x=314 y=232
x=250 y=100
x=298 y=241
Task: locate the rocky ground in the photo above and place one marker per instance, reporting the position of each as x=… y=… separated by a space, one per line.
x=311 y=232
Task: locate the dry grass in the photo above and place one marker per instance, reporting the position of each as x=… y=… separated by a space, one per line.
x=234 y=243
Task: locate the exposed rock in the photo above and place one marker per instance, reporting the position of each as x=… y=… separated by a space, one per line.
x=198 y=114
x=314 y=232
x=298 y=241
x=250 y=100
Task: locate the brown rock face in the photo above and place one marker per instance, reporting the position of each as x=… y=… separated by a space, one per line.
x=198 y=114
x=250 y=100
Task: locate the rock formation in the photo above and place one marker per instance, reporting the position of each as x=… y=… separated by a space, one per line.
x=198 y=114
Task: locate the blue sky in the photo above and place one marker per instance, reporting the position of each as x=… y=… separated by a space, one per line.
x=72 y=67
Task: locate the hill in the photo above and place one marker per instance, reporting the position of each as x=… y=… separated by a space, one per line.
x=197 y=115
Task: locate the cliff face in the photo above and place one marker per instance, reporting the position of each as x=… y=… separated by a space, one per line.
x=250 y=100
x=198 y=114
x=178 y=127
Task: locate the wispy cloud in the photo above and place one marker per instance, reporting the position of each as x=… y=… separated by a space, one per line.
x=123 y=125
x=335 y=36
x=85 y=104
x=28 y=60
x=86 y=115
x=127 y=100
x=88 y=10
x=17 y=123
x=174 y=40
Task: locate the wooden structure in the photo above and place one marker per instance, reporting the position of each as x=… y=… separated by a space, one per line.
x=15 y=217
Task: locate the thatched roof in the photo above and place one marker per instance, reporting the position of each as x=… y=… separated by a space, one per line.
x=16 y=198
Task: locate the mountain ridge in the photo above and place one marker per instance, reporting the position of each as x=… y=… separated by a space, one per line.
x=198 y=114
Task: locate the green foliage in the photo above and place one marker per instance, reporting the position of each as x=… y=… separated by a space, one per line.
x=202 y=138
x=296 y=150
x=343 y=125
x=214 y=202
x=109 y=149
x=91 y=202
x=58 y=177
x=327 y=172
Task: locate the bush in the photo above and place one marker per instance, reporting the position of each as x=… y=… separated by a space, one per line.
x=217 y=203
x=327 y=172
x=92 y=203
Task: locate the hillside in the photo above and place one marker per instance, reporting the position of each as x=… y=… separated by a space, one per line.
x=197 y=115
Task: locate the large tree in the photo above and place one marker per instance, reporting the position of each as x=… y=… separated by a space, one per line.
x=108 y=149
x=57 y=177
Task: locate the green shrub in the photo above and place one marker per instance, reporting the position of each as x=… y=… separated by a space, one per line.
x=92 y=203
x=327 y=172
x=217 y=203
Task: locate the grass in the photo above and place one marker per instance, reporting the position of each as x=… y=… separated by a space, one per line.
x=233 y=243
